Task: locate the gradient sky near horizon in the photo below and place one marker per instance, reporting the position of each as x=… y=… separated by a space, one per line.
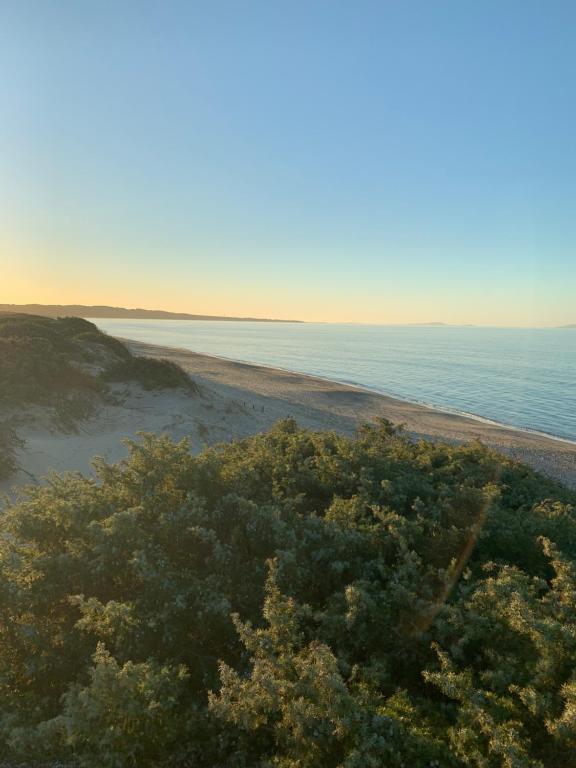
x=391 y=161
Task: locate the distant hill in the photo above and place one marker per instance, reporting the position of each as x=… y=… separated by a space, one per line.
x=80 y=310
x=570 y=325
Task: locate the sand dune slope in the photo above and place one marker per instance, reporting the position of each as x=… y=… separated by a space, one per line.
x=238 y=400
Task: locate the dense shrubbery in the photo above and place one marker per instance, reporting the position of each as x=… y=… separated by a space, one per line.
x=9 y=443
x=113 y=345
x=43 y=360
x=38 y=361
x=293 y=600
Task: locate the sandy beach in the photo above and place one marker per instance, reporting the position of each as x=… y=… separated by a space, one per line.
x=272 y=394
x=239 y=399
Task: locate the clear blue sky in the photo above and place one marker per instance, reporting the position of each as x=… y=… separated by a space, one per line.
x=388 y=161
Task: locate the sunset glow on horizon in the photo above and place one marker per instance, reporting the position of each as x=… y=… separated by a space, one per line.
x=373 y=163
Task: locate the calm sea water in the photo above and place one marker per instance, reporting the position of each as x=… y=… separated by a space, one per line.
x=520 y=377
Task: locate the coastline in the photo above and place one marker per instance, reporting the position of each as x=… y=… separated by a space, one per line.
x=363 y=388
x=318 y=403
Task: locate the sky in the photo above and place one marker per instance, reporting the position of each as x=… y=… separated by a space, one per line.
x=378 y=162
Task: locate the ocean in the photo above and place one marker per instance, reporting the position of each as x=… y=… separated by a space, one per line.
x=523 y=378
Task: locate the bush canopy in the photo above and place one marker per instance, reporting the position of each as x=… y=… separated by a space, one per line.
x=43 y=360
x=294 y=599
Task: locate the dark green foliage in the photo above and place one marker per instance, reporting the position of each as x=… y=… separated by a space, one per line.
x=115 y=346
x=75 y=325
x=44 y=361
x=151 y=373
x=9 y=443
x=39 y=362
x=297 y=600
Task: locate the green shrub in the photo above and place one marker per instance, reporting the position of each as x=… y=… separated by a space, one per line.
x=294 y=599
x=43 y=361
x=9 y=443
x=75 y=325
x=40 y=362
x=126 y=715
x=32 y=370
x=113 y=345
x=151 y=374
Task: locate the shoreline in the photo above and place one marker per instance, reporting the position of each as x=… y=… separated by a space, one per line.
x=363 y=388
x=330 y=404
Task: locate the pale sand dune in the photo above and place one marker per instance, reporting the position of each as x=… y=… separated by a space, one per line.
x=206 y=419
x=239 y=400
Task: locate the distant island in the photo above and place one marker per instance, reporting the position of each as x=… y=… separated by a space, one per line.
x=81 y=310
x=570 y=325
x=438 y=324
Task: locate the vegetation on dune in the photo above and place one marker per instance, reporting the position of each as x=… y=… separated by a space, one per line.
x=294 y=599
x=43 y=359
x=115 y=346
x=39 y=361
x=9 y=443
x=151 y=373
x=65 y=363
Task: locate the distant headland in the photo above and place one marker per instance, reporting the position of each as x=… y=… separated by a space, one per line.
x=81 y=310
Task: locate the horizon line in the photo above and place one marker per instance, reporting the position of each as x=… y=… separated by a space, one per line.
x=199 y=317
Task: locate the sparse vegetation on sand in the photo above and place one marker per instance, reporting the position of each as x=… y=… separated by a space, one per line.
x=294 y=599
